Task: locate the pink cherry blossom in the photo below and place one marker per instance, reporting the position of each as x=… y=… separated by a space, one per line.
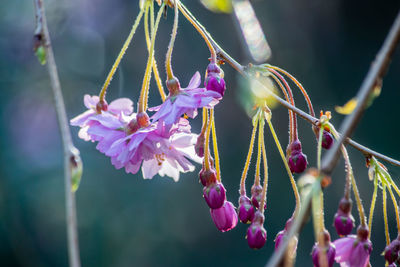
x=186 y=101
x=352 y=251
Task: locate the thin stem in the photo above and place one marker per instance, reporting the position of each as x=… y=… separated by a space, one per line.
x=396 y=208
x=148 y=43
x=215 y=146
x=372 y=208
x=385 y=218
x=360 y=207
x=71 y=154
x=146 y=79
x=247 y=164
x=168 y=60
x=386 y=53
x=207 y=142
x=289 y=90
x=265 y=185
x=319 y=148
x=303 y=91
x=203 y=34
x=121 y=55
x=292 y=181
x=258 y=162
x=285 y=93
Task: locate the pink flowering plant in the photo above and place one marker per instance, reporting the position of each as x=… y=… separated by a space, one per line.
x=159 y=141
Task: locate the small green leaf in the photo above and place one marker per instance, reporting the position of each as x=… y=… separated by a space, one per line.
x=219 y=6
x=76 y=171
x=41 y=54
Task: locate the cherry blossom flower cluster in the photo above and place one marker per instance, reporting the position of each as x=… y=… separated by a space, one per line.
x=162 y=143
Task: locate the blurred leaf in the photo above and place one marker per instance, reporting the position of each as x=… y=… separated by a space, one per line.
x=375 y=93
x=219 y=6
x=41 y=54
x=347 y=108
x=76 y=171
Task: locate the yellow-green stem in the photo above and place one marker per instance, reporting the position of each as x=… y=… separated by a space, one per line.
x=146 y=79
x=215 y=146
x=358 y=201
x=396 y=208
x=248 y=159
x=207 y=142
x=319 y=147
x=120 y=55
x=292 y=181
x=373 y=201
x=155 y=67
x=258 y=161
x=385 y=218
x=265 y=185
x=200 y=30
x=168 y=60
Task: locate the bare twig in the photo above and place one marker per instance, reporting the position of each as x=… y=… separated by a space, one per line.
x=71 y=154
x=376 y=72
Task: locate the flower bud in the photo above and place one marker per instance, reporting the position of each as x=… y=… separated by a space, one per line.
x=256 y=195
x=297 y=160
x=245 y=210
x=101 y=106
x=214 y=194
x=392 y=251
x=327 y=140
x=256 y=234
x=173 y=86
x=329 y=249
x=215 y=79
x=143 y=119
x=225 y=218
x=213 y=68
x=281 y=234
x=343 y=220
x=199 y=146
x=207 y=177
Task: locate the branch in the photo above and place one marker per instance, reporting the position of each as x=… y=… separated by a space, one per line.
x=71 y=154
x=375 y=74
x=242 y=70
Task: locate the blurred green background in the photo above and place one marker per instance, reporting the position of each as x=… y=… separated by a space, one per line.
x=124 y=220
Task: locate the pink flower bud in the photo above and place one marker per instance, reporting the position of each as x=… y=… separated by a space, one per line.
x=296 y=159
x=343 y=220
x=392 y=251
x=256 y=234
x=329 y=249
x=215 y=83
x=225 y=218
x=327 y=140
x=245 y=210
x=256 y=195
x=214 y=194
x=207 y=177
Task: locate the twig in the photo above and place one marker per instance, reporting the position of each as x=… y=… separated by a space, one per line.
x=315 y=121
x=71 y=154
x=376 y=72
x=330 y=160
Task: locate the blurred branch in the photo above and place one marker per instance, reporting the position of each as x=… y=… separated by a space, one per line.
x=71 y=154
x=242 y=70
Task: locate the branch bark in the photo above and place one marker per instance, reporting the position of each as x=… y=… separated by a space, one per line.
x=71 y=154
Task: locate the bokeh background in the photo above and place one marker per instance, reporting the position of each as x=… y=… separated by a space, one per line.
x=124 y=220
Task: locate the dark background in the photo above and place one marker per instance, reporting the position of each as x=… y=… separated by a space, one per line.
x=124 y=220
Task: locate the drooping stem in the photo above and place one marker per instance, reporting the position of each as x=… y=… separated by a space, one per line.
x=121 y=55
x=71 y=154
x=248 y=159
x=285 y=93
x=146 y=79
x=265 y=183
x=157 y=77
x=372 y=208
x=168 y=64
x=360 y=207
x=215 y=146
x=396 y=208
x=258 y=161
x=203 y=34
x=303 y=91
x=292 y=181
x=291 y=98
x=319 y=148
x=385 y=218
x=207 y=141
